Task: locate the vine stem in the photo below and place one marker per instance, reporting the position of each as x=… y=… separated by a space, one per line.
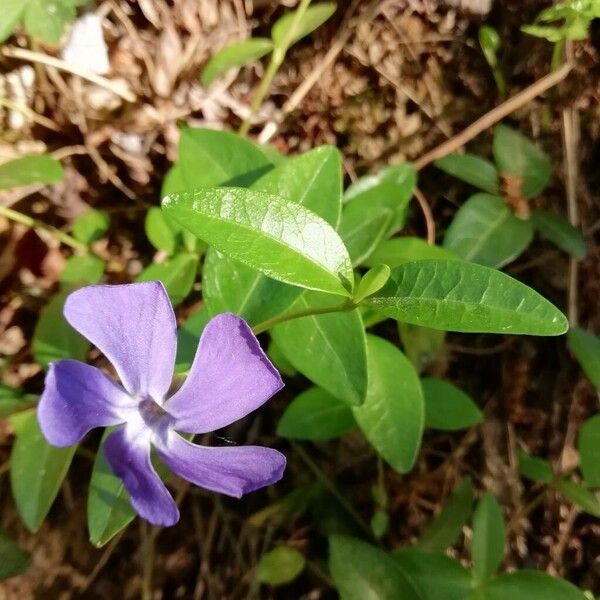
x=28 y=221
x=277 y=57
x=306 y=312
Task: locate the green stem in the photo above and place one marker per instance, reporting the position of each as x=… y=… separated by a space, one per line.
x=557 y=55
x=28 y=221
x=306 y=312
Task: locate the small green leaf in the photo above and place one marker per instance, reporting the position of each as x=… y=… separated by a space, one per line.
x=517 y=155
x=361 y=571
x=536 y=469
x=329 y=349
x=30 y=170
x=392 y=415
x=90 y=226
x=447 y=407
x=444 y=530
x=487 y=545
x=586 y=348
x=288 y=30
x=380 y=523
x=82 y=270
x=108 y=508
x=12 y=11
x=173 y=181
x=177 y=275
x=14 y=400
x=282 y=239
x=188 y=336
x=237 y=54
x=13 y=561
x=159 y=231
x=46 y=19
x=560 y=232
x=461 y=296
x=588 y=445
x=530 y=585
x=489 y=40
x=371 y=282
x=315 y=415
x=473 y=169
x=37 y=470
x=399 y=250
x=280 y=566
x=364 y=230
x=579 y=495
x=421 y=344
x=485 y=231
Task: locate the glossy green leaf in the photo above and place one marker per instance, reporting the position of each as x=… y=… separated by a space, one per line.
x=422 y=345
x=177 y=275
x=438 y=576
x=159 y=231
x=315 y=415
x=329 y=349
x=588 y=444
x=53 y=338
x=14 y=400
x=108 y=507
x=473 y=169
x=485 y=231
x=579 y=495
x=393 y=413
x=237 y=54
x=37 y=470
x=288 y=29
x=30 y=170
x=487 y=544
x=90 y=226
x=81 y=270
x=280 y=566
x=534 y=468
x=173 y=181
x=517 y=155
x=12 y=11
x=530 y=585
x=371 y=282
x=586 y=348
x=560 y=232
x=447 y=407
x=47 y=19
x=13 y=560
x=461 y=296
x=399 y=250
x=445 y=528
x=362 y=572
x=281 y=239
x=188 y=336
x=364 y=230
x=278 y=358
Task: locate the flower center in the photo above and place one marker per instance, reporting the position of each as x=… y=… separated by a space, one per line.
x=154 y=415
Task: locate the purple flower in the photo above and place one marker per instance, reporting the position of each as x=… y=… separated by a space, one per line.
x=134 y=326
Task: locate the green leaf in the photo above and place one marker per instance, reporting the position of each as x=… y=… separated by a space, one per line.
x=560 y=232
x=527 y=585
x=364 y=230
x=536 y=469
x=209 y=158
x=281 y=239
x=13 y=561
x=393 y=412
x=329 y=349
x=487 y=544
x=37 y=470
x=11 y=11
x=461 y=296
x=173 y=181
x=109 y=509
x=82 y=270
x=588 y=444
x=361 y=571
x=473 y=169
x=188 y=336
x=288 y=30
x=280 y=566
x=237 y=54
x=399 y=250
x=371 y=282
x=90 y=226
x=14 y=400
x=53 y=338
x=421 y=345
x=444 y=530
x=158 y=230
x=485 y=231
x=177 y=275
x=517 y=155
x=586 y=348
x=315 y=415
x=438 y=576
x=30 y=170
x=447 y=407
x=46 y=19
x=278 y=358
x=579 y=495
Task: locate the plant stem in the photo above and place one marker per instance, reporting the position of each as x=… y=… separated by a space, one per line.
x=28 y=221
x=148 y=537
x=306 y=312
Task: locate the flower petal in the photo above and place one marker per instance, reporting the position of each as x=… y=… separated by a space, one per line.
x=76 y=399
x=230 y=377
x=229 y=470
x=128 y=453
x=134 y=326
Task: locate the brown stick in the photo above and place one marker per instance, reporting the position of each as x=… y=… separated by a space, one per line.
x=495 y=115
